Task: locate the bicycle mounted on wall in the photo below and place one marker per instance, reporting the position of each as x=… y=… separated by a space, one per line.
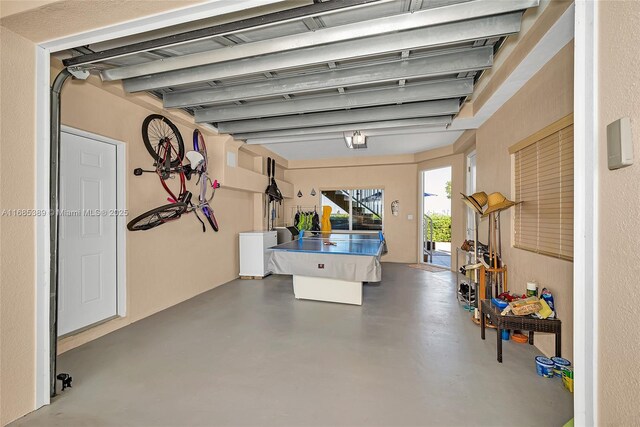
x=164 y=143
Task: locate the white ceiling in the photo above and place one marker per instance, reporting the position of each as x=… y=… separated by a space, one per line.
x=380 y=145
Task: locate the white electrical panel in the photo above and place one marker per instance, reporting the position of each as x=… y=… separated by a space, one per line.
x=619 y=144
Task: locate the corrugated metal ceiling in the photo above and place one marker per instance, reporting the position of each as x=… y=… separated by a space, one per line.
x=358 y=58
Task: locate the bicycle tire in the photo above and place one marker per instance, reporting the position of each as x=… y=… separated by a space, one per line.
x=208 y=213
x=155 y=127
x=157 y=216
x=200 y=146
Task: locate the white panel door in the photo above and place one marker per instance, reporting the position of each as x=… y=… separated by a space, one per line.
x=87 y=251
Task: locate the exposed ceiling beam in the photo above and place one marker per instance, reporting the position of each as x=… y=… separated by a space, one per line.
x=385 y=124
x=374 y=27
x=455 y=88
x=224 y=41
x=242 y=37
x=280 y=17
x=296 y=138
x=461 y=61
x=425 y=37
x=372 y=114
x=311 y=24
x=414 y=5
x=413 y=130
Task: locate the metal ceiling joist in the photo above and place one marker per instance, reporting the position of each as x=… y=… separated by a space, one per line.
x=374 y=27
x=414 y=5
x=461 y=61
x=315 y=9
x=340 y=135
x=385 y=124
x=425 y=37
x=372 y=114
x=224 y=41
x=455 y=88
x=295 y=138
x=311 y=24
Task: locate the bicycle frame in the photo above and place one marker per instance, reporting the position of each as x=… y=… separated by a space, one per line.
x=203 y=201
x=167 y=154
x=164 y=171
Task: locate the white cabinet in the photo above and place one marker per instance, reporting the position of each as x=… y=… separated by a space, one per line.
x=253 y=254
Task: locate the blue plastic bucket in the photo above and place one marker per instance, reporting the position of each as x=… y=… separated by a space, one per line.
x=559 y=363
x=544 y=367
x=506 y=334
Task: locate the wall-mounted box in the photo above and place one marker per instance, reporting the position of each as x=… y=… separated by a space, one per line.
x=619 y=144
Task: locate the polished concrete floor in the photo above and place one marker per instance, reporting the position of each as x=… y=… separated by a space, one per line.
x=248 y=353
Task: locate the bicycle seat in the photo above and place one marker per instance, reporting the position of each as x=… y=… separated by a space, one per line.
x=196 y=159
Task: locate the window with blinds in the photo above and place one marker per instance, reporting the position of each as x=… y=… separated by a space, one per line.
x=544 y=184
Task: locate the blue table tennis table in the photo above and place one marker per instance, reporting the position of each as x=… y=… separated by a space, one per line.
x=330 y=266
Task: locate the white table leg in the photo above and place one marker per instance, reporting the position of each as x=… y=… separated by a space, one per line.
x=325 y=289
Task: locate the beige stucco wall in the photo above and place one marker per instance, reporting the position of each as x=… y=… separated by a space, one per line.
x=399 y=183
x=619 y=219
x=13 y=7
x=173 y=262
x=43 y=20
x=17 y=249
x=547 y=97
x=201 y=261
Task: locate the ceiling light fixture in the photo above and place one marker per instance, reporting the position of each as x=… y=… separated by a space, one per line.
x=355 y=140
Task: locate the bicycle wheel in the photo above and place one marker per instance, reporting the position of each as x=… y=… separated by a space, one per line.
x=157 y=216
x=208 y=212
x=160 y=134
x=200 y=146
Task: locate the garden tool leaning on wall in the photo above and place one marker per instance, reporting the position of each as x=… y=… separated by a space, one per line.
x=273 y=194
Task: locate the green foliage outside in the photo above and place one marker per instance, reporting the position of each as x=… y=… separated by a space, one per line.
x=447 y=189
x=441 y=227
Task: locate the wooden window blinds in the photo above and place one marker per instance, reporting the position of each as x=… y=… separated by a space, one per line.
x=544 y=184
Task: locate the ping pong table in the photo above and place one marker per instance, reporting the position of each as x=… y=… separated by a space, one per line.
x=330 y=266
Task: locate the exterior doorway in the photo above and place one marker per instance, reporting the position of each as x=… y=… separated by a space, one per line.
x=436 y=217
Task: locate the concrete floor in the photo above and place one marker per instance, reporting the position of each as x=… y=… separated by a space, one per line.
x=248 y=353
x=440 y=258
